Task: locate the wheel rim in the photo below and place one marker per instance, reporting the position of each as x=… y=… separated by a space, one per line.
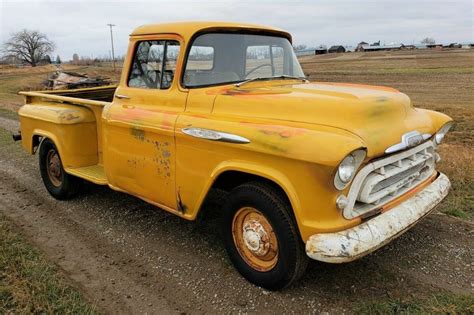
x=255 y=239
x=53 y=167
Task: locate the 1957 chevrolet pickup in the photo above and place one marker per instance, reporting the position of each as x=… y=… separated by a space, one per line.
x=328 y=171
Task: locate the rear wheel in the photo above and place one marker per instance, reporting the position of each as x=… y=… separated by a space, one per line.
x=58 y=183
x=261 y=236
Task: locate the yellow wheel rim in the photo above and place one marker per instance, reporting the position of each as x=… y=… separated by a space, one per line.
x=255 y=239
x=53 y=167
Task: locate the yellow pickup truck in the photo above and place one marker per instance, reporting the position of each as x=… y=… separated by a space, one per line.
x=327 y=171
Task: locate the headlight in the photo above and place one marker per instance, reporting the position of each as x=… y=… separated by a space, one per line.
x=347 y=168
x=439 y=136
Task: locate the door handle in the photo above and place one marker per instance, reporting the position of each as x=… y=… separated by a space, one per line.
x=128 y=106
x=122 y=97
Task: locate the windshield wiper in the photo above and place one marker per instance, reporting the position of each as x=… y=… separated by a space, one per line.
x=271 y=78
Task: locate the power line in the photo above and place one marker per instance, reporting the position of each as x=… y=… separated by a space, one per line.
x=112 y=42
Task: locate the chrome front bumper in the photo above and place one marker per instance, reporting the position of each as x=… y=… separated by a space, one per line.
x=353 y=243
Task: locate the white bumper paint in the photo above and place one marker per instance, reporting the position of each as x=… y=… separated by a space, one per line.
x=353 y=243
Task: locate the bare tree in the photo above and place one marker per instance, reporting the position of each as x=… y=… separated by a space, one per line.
x=428 y=41
x=28 y=46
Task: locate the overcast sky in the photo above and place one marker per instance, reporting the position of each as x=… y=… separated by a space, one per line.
x=81 y=26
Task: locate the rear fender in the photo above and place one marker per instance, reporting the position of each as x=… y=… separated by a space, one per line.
x=72 y=128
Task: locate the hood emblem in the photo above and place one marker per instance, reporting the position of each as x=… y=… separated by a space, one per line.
x=409 y=140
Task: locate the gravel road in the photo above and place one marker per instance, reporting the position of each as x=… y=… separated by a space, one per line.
x=128 y=256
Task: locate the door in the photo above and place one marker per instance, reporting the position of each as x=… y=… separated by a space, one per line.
x=139 y=155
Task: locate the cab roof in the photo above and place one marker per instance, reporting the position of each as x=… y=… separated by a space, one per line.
x=188 y=29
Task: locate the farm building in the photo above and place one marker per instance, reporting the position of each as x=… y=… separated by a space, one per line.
x=379 y=47
x=467 y=45
x=361 y=45
x=336 y=49
x=453 y=45
x=321 y=50
x=435 y=46
x=420 y=46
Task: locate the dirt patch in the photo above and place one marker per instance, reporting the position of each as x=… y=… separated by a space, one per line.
x=10 y=125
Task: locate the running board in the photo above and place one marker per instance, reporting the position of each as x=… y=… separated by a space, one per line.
x=94 y=173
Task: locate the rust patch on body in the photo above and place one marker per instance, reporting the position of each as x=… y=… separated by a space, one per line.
x=278 y=130
x=181 y=206
x=162 y=158
x=138 y=133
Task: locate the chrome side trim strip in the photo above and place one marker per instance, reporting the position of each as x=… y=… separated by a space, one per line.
x=214 y=135
x=120 y=96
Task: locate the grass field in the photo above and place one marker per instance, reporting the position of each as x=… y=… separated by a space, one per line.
x=29 y=283
x=13 y=80
x=437 y=304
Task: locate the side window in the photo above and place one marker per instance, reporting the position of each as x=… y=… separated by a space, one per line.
x=148 y=70
x=172 y=53
x=146 y=67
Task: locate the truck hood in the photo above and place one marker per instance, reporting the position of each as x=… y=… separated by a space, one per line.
x=379 y=116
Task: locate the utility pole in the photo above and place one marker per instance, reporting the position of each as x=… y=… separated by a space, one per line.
x=112 y=42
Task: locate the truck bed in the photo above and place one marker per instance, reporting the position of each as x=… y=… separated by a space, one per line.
x=71 y=114
x=100 y=94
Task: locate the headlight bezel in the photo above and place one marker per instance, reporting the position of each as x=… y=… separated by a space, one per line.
x=357 y=156
x=441 y=133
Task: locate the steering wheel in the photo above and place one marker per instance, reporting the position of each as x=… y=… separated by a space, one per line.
x=258 y=67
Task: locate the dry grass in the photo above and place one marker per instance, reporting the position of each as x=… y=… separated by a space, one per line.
x=13 y=80
x=443 y=303
x=438 y=80
x=29 y=284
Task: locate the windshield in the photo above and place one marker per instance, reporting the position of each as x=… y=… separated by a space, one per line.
x=222 y=58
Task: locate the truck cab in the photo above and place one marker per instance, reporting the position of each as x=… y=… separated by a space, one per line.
x=327 y=171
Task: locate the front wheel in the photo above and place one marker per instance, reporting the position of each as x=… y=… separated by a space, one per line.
x=58 y=183
x=261 y=236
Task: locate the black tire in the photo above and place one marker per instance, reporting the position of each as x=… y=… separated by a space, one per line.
x=291 y=260
x=63 y=186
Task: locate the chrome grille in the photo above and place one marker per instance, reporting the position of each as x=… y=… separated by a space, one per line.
x=383 y=180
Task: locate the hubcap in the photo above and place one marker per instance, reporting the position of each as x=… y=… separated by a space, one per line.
x=255 y=239
x=53 y=167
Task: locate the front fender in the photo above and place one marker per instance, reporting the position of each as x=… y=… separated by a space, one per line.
x=259 y=170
